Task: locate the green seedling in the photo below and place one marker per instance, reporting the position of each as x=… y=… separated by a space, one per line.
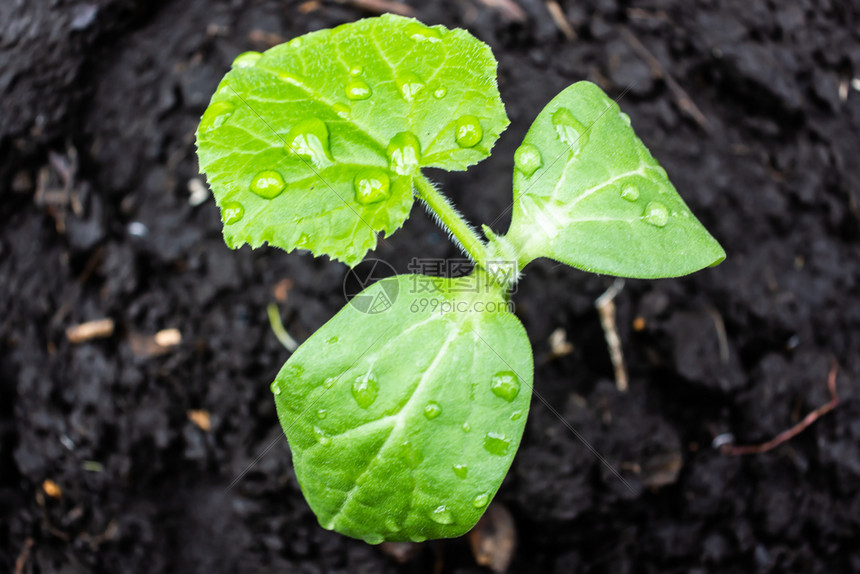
x=403 y=418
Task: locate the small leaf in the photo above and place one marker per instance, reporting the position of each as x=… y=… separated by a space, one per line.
x=314 y=143
x=404 y=420
x=588 y=193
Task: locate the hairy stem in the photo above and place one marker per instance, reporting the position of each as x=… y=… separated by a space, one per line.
x=451 y=219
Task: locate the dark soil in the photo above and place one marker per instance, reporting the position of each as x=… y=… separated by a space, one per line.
x=100 y=100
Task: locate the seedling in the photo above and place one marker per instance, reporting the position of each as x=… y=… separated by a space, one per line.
x=403 y=418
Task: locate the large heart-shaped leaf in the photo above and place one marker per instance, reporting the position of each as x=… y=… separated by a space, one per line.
x=588 y=193
x=405 y=410
x=314 y=143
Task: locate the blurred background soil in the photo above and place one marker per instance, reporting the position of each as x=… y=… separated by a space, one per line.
x=116 y=452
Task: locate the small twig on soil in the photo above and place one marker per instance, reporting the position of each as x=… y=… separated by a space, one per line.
x=21 y=562
x=278 y=328
x=684 y=101
x=732 y=450
x=720 y=326
x=508 y=8
x=380 y=6
x=98 y=329
x=605 y=305
x=560 y=19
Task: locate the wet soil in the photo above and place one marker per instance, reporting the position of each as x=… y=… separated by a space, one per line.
x=99 y=104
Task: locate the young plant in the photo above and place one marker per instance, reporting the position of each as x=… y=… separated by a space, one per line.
x=403 y=418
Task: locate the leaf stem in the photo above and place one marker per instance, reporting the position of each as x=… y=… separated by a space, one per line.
x=448 y=217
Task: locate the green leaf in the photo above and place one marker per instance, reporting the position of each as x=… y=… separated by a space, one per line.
x=314 y=143
x=588 y=193
x=404 y=420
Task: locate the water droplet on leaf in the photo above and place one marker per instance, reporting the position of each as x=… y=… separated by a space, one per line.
x=404 y=151
x=231 y=212
x=656 y=214
x=303 y=240
x=275 y=387
x=342 y=110
x=505 y=385
x=527 y=159
x=440 y=93
x=372 y=185
x=516 y=415
x=432 y=410
x=624 y=118
x=247 y=59
x=215 y=116
x=421 y=33
x=321 y=414
x=569 y=130
x=358 y=90
x=468 y=131
x=466 y=427
x=329 y=382
x=308 y=139
x=409 y=84
x=630 y=193
x=481 y=500
x=461 y=470
x=355 y=71
x=322 y=437
x=364 y=390
x=496 y=443
x=268 y=184
x=442 y=515
x=331 y=340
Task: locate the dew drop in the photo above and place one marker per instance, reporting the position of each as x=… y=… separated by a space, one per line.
x=468 y=132
x=364 y=390
x=661 y=172
x=391 y=525
x=516 y=415
x=481 y=500
x=461 y=470
x=308 y=139
x=247 y=59
x=215 y=116
x=331 y=340
x=329 y=382
x=371 y=186
x=496 y=443
x=630 y=193
x=432 y=410
x=358 y=90
x=527 y=159
x=569 y=130
x=421 y=33
x=303 y=240
x=322 y=437
x=442 y=515
x=355 y=71
x=466 y=427
x=505 y=385
x=656 y=214
x=404 y=151
x=321 y=414
x=342 y=110
x=417 y=538
x=231 y=212
x=410 y=85
x=275 y=388
x=624 y=118
x=440 y=93
x=268 y=184
x=296 y=42
x=414 y=456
